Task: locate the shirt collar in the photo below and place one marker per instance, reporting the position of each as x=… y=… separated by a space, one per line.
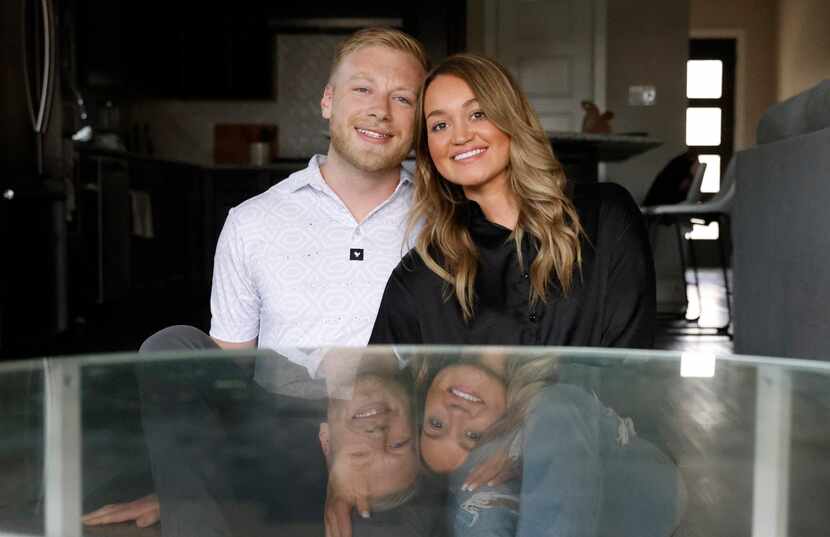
x=483 y=232
x=312 y=177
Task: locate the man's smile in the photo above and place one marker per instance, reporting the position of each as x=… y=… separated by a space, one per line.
x=374 y=136
x=371 y=410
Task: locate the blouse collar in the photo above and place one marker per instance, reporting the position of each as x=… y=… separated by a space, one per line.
x=485 y=233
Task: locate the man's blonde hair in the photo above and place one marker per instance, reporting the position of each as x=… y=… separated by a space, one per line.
x=380 y=36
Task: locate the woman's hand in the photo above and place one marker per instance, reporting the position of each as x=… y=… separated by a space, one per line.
x=143 y=511
x=499 y=468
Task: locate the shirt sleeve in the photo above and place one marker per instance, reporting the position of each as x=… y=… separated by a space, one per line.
x=630 y=305
x=234 y=300
x=397 y=321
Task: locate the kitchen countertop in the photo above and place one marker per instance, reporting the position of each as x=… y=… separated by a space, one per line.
x=602 y=147
x=276 y=165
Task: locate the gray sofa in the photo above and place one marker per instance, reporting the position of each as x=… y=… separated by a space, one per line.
x=781 y=231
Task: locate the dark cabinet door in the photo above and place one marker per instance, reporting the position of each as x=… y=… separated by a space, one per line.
x=151 y=43
x=173 y=50
x=226 y=58
x=252 y=60
x=99 y=45
x=33 y=288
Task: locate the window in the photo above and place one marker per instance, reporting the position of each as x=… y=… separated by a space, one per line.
x=711 y=177
x=703 y=126
x=704 y=79
x=710 y=115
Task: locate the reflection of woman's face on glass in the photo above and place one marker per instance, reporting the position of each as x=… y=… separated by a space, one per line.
x=462 y=402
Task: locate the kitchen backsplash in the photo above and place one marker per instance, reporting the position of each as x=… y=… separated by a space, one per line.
x=303 y=63
x=184 y=129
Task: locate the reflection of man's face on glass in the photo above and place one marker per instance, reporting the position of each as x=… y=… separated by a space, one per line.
x=370 y=436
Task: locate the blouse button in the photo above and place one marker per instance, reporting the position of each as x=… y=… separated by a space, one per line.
x=532 y=317
x=525 y=275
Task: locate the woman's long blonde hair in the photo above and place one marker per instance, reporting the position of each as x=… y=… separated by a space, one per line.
x=535 y=177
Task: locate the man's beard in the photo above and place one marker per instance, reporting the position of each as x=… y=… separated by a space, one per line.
x=363 y=156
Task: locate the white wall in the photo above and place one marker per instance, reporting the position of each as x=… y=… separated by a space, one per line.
x=756 y=21
x=804 y=45
x=647 y=44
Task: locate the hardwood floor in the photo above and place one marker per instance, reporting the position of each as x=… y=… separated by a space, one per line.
x=709 y=425
x=706 y=315
x=713 y=428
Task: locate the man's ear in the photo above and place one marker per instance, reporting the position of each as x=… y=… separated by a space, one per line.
x=324 y=440
x=326 y=101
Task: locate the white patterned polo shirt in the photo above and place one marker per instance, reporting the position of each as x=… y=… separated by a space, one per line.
x=293 y=267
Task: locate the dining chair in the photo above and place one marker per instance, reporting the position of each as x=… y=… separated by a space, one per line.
x=653 y=220
x=683 y=215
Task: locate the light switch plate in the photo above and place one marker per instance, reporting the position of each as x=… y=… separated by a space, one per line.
x=642 y=95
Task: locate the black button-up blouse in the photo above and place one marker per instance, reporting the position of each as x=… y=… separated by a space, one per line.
x=610 y=304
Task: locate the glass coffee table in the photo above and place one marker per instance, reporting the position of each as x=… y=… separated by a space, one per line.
x=418 y=441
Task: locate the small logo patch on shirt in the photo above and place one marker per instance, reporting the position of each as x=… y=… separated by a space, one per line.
x=356 y=254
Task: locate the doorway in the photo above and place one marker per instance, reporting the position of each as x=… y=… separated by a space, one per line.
x=710 y=125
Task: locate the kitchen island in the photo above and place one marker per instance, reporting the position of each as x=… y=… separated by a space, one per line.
x=142 y=233
x=581 y=153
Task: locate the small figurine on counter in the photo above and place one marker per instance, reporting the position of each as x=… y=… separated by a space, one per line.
x=594 y=122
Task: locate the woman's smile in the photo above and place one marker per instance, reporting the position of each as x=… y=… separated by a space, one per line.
x=470 y=155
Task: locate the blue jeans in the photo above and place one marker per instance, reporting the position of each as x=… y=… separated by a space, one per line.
x=584 y=473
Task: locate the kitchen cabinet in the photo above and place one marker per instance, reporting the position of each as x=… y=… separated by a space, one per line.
x=172 y=50
x=33 y=286
x=190 y=50
x=148 y=227
x=138 y=229
x=174 y=255
x=142 y=242
x=226 y=60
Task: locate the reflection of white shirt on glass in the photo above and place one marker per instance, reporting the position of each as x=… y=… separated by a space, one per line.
x=293 y=267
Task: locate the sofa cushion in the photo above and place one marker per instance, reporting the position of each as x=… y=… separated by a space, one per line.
x=806 y=112
x=781 y=235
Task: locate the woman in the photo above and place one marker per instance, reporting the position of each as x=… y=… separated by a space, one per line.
x=509 y=252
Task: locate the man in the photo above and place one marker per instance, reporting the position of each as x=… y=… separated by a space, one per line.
x=305 y=263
